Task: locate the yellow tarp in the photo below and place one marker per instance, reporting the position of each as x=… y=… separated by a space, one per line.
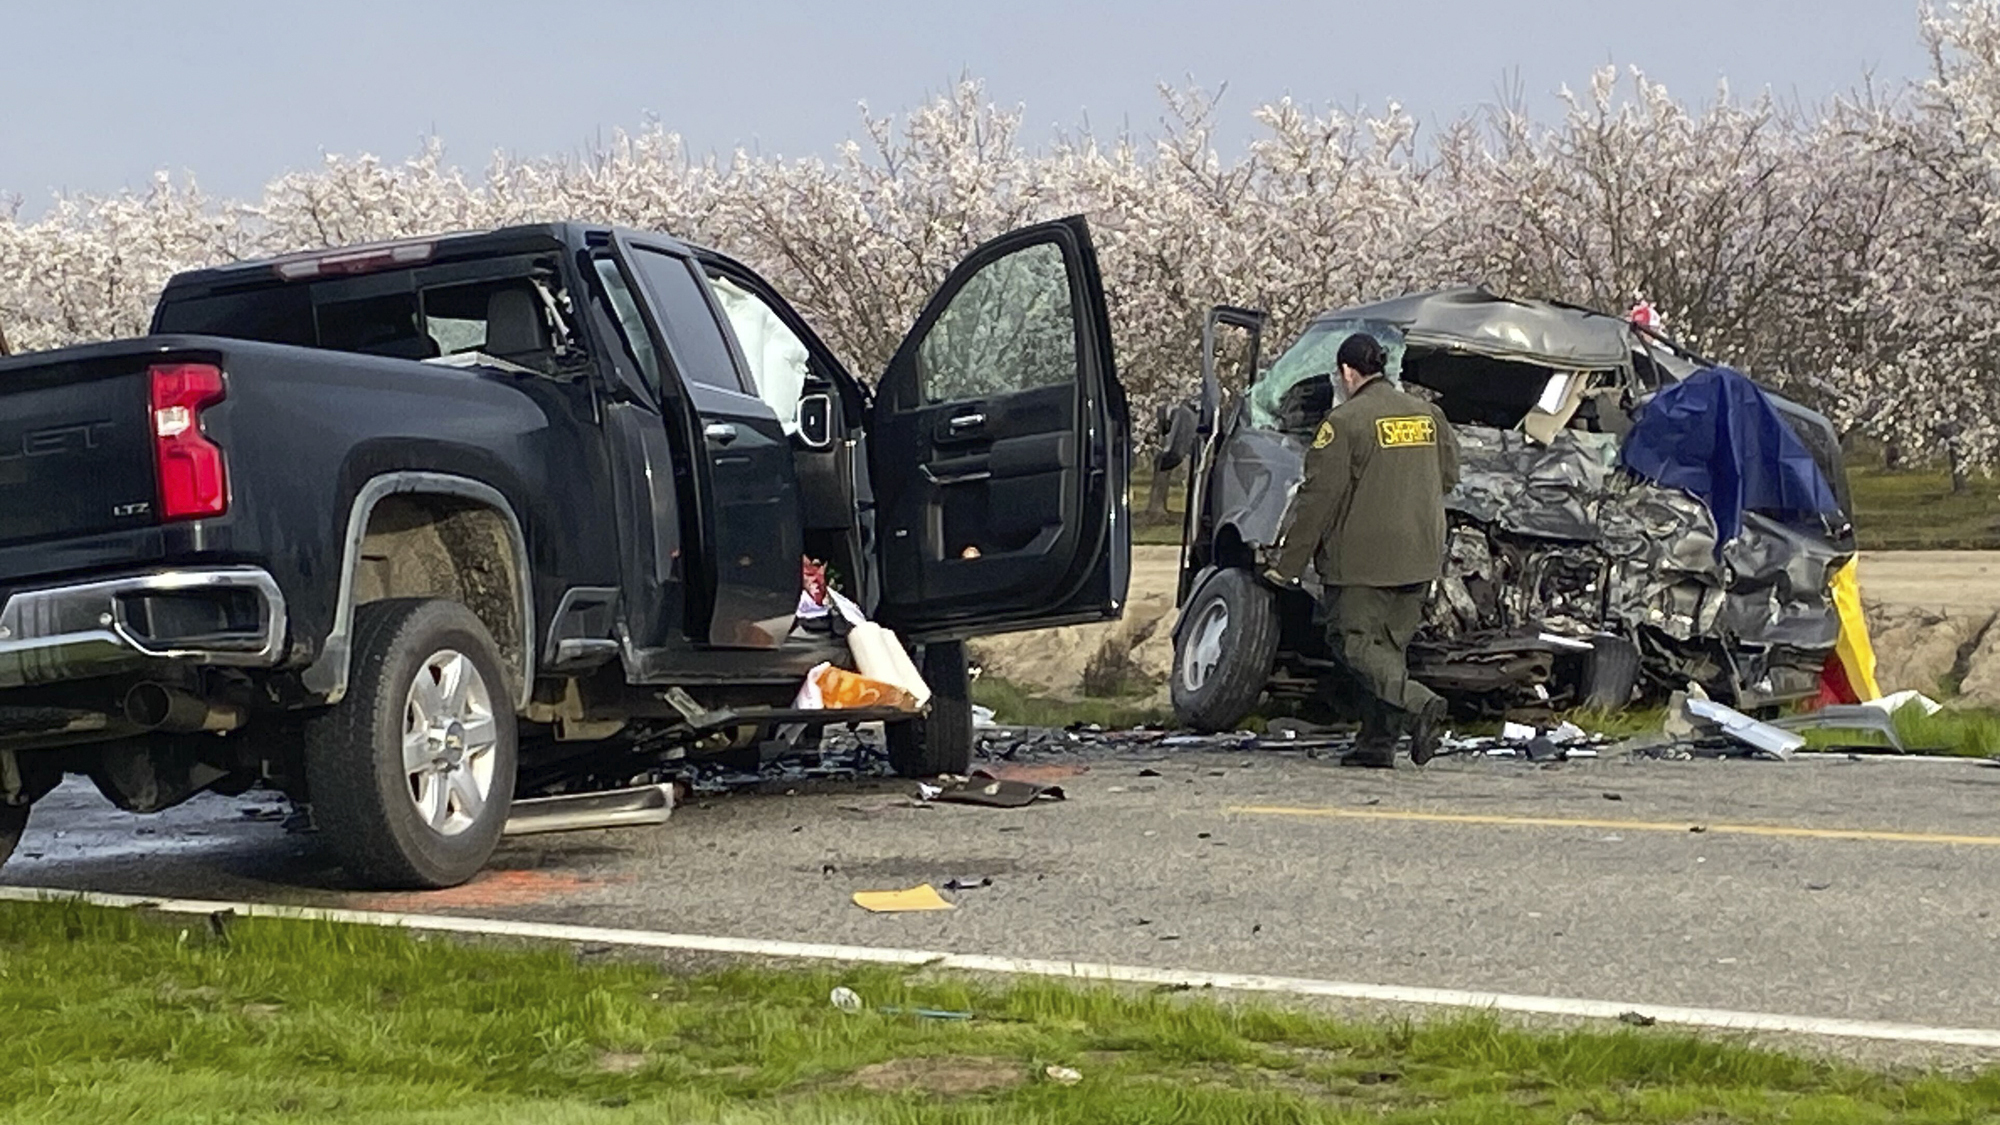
x=1857 y=656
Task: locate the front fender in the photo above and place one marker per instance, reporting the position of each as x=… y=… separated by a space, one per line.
x=1256 y=477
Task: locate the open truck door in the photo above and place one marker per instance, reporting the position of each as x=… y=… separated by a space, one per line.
x=1000 y=448
x=1197 y=530
x=747 y=493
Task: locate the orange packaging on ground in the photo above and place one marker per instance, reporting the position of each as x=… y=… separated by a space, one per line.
x=837 y=689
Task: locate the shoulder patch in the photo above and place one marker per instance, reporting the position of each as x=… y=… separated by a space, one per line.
x=1323 y=437
x=1415 y=429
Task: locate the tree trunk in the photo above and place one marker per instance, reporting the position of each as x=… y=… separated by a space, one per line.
x=1961 y=472
x=3 y=342
x=1156 y=497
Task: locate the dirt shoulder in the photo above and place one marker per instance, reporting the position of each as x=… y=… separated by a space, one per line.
x=1946 y=581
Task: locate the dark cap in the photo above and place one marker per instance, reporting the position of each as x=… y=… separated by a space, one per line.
x=1363 y=353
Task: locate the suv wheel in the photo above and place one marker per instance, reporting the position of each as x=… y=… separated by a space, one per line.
x=1224 y=649
x=412 y=774
x=941 y=740
x=1610 y=673
x=13 y=821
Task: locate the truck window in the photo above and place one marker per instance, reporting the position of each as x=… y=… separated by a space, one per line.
x=701 y=352
x=270 y=314
x=387 y=326
x=624 y=311
x=506 y=319
x=504 y=308
x=1008 y=329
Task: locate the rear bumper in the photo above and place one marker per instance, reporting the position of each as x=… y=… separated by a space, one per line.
x=231 y=616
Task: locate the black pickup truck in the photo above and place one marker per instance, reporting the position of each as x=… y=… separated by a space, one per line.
x=404 y=530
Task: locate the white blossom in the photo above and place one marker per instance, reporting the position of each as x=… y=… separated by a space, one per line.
x=1849 y=253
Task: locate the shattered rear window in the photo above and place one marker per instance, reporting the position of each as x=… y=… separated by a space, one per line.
x=1301 y=386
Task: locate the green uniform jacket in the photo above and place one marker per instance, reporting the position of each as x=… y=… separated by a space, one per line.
x=1371 y=510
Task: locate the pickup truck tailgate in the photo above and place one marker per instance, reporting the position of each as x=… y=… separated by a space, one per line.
x=76 y=454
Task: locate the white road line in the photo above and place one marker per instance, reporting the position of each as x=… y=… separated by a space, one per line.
x=1713 y=1018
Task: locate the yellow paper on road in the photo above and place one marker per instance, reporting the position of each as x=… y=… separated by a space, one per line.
x=922 y=897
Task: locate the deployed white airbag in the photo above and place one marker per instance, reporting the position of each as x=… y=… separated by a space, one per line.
x=777 y=357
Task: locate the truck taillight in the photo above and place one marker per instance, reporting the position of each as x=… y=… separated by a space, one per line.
x=193 y=481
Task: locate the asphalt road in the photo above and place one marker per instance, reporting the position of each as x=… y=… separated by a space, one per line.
x=1868 y=890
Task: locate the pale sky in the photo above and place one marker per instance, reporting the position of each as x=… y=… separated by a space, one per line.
x=98 y=94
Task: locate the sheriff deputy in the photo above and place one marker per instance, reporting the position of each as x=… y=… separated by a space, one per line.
x=1370 y=517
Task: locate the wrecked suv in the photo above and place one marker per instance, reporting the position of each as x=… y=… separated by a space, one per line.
x=1570 y=580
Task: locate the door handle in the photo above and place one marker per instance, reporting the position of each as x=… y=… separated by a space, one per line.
x=955 y=478
x=966 y=422
x=721 y=433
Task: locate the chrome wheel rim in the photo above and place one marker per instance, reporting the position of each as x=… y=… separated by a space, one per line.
x=1204 y=646
x=450 y=743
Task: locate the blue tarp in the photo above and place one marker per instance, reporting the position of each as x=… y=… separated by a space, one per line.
x=1717 y=435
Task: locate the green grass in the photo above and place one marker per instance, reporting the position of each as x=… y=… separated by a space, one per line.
x=1156 y=533
x=119 y=1017
x=1961 y=731
x=1015 y=705
x=1915 y=510
x=1966 y=732
x=1149 y=528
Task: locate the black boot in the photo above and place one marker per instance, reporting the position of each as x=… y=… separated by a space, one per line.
x=1377 y=756
x=1427 y=731
x=1376 y=746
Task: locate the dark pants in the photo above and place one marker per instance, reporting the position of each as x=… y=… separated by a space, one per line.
x=1369 y=630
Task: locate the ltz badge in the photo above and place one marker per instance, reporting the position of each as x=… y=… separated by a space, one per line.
x=1392 y=433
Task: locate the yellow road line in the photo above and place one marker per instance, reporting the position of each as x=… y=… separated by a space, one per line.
x=1682 y=827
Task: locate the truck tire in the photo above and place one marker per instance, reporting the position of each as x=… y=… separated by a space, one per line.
x=1223 y=652
x=1610 y=673
x=941 y=740
x=13 y=821
x=411 y=775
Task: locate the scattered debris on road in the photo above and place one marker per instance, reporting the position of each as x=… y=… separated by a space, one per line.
x=1037 y=758
x=1863 y=717
x=1565 y=741
x=994 y=793
x=920 y=897
x=1698 y=727
x=1759 y=736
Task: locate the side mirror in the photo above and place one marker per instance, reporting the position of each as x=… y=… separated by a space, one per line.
x=816 y=421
